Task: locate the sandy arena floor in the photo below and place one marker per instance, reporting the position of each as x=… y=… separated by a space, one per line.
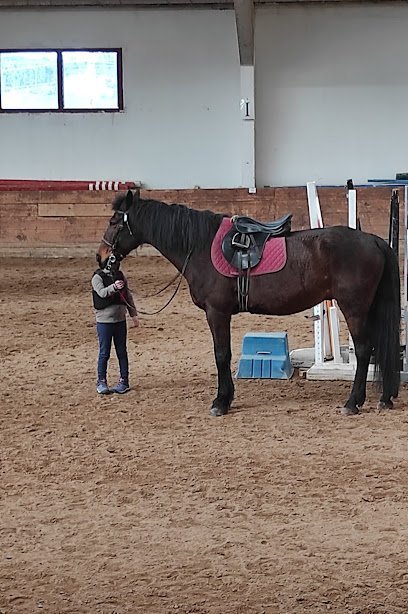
x=146 y=504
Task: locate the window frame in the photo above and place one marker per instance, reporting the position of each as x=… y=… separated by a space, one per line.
x=60 y=80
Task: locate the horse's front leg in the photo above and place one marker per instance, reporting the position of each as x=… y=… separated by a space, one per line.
x=220 y=326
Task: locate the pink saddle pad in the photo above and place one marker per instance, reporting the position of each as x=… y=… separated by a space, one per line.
x=273 y=257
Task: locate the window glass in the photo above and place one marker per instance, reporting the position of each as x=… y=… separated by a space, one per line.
x=61 y=80
x=29 y=80
x=90 y=80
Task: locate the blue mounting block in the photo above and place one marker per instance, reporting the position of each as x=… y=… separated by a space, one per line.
x=266 y=356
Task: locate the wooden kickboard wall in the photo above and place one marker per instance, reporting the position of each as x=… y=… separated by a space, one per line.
x=38 y=218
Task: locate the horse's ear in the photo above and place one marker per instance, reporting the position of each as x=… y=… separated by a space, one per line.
x=129 y=199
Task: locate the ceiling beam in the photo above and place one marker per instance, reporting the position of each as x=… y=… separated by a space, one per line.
x=244 y=18
x=26 y=4
x=216 y=4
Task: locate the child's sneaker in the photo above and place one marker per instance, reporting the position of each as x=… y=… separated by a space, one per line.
x=121 y=387
x=102 y=387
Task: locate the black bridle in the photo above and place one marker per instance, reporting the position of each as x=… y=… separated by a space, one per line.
x=115 y=255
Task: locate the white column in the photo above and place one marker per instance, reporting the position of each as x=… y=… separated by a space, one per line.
x=247 y=108
x=404 y=377
x=352 y=222
x=244 y=18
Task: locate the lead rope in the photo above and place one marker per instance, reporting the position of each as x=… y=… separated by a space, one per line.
x=179 y=275
x=162 y=289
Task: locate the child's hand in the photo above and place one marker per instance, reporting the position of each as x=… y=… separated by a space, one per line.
x=119 y=284
x=135 y=321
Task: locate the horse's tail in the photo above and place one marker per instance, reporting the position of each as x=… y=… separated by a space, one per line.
x=386 y=318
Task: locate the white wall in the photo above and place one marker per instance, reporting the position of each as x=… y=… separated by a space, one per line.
x=181 y=90
x=332 y=93
x=331 y=86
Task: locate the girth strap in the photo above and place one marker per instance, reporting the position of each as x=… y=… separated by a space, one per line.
x=243 y=290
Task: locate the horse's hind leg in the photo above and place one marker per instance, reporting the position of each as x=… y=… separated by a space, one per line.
x=363 y=349
x=389 y=392
x=385 y=401
x=358 y=392
x=220 y=326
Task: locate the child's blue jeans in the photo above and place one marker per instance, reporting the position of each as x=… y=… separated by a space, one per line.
x=118 y=332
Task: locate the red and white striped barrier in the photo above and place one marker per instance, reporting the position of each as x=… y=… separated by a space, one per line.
x=111 y=185
x=34 y=184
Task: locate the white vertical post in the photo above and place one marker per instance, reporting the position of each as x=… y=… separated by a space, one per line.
x=324 y=339
x=328 y=340
x=320 y=330
x=247 y=108
x=405 y=300
x=352 y=222
x=334 y=325
x=318 y=313
x=315 y=214
x=352 y=208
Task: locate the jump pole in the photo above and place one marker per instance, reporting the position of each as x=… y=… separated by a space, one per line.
x=394 y=183
x=404 y=372
x=352 y=223
x=331 y=361
x=325 y=314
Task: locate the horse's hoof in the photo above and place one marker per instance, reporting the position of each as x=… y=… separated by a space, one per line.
x=218 y=411
x=350 y=411
x=385 y=405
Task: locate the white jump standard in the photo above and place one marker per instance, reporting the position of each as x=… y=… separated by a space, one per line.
x=328 y=360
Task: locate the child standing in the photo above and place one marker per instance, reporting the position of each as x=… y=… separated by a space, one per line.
x=111 y=299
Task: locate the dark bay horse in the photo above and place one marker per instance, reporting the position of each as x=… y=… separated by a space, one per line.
x=357 y=269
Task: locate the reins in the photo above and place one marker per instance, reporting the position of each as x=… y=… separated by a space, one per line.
x=179 y=276
x=180 y=279
x=162 y=289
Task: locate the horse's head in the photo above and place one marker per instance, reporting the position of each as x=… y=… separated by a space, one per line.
x=120 y=236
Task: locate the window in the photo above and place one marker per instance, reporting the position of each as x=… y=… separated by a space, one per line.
x=61 y=80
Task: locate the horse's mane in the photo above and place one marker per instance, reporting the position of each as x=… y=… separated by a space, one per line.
x=173 y=226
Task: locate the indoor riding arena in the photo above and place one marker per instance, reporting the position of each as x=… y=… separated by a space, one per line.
x=144 y=502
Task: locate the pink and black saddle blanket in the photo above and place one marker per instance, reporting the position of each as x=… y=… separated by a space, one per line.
x=270 y=254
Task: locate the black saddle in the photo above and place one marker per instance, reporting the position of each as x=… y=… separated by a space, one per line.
x=277 y=228
x=243 y=245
